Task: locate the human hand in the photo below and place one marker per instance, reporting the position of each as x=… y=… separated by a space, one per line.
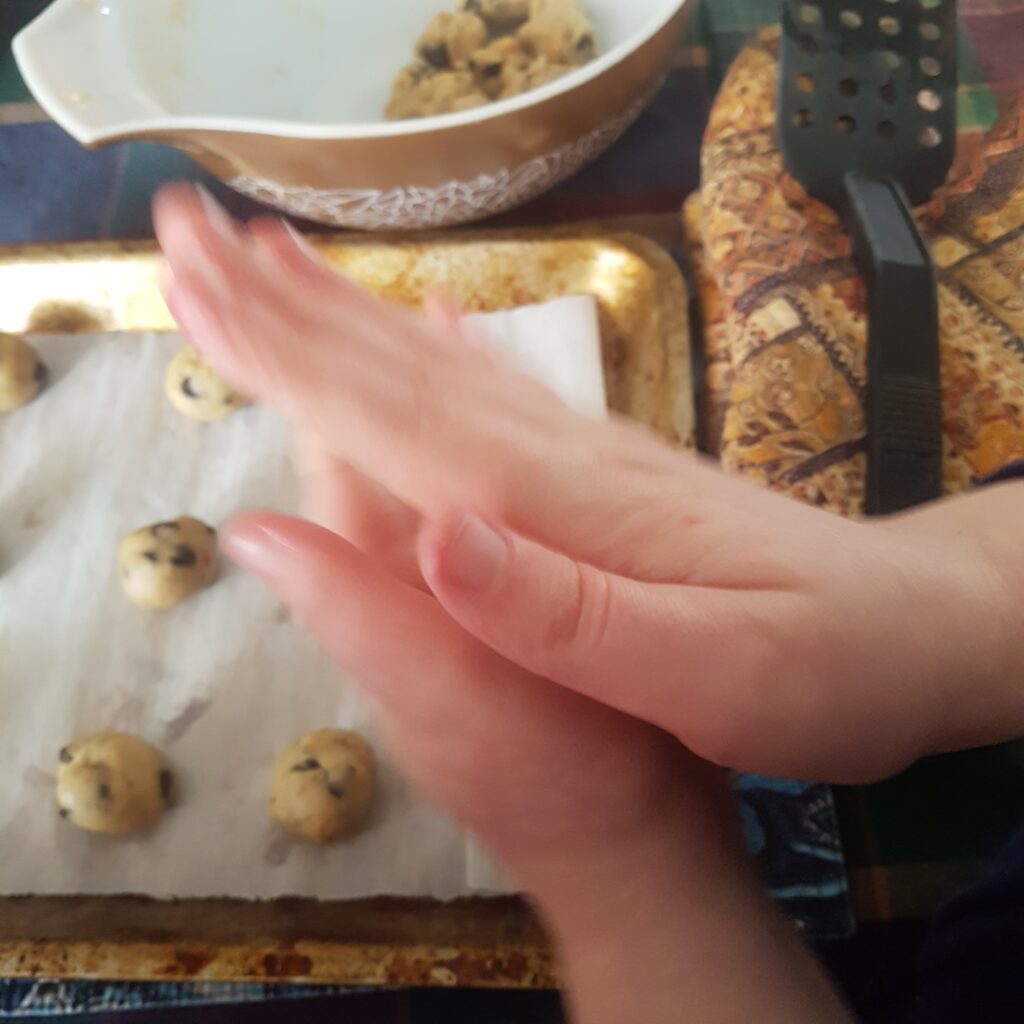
x=627 y=843
x=765 y=635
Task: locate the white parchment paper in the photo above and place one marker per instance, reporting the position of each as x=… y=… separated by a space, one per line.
x=221 y=683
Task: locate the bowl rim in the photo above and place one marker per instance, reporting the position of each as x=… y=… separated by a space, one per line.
x=355 y=130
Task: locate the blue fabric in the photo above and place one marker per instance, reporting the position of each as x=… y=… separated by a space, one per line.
x=66 y=998
x=972 y=966
x=1013 y=471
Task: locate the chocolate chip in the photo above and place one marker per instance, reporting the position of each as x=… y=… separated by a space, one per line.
x=65 y=756
x=488 y=70
x=309 y=765
x=64 y=813
x=166 y=785
x=338 y=792
x=184 y=557
x=473 y=7
x=41 y=373
x=210 y=530
x=170 y=526
x=104 y=791
x=188 y=389
x=152 y=556
x=584 y=43
x=436 y=56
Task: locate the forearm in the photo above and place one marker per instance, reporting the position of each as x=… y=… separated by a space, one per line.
x=682 y=932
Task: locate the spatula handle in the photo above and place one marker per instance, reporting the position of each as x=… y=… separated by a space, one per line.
x=904 y=403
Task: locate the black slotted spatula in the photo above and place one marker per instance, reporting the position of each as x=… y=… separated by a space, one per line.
x=867 y=123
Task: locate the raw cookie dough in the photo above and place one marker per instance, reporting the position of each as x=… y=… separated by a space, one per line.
x=560 y=32
x=501 y=16
x=112 y=782
x=451 y=39
x=22 y=375
x=195 y=390
x=166 y=563
x=491 y=64
x=508 y=46
x=528 y=73
x=323 y=784
x=421 y=91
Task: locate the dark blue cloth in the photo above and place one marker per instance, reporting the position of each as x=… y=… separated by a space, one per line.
x=1013 y=471
x=972 y=964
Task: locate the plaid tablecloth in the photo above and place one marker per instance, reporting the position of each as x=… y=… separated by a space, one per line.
x=908 y=842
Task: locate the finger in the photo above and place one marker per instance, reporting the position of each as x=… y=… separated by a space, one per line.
x=664 y=654
x=524 y=763
x=729 y=672
x=350 y=504
x=193 y=230
x=438 y=425
x=284 y=247
x=444 y=311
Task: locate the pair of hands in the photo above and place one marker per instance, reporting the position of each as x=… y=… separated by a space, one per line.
x=553 y=612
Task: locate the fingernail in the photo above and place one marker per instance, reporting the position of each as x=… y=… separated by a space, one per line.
x=475 y=555
x=300 y=240
x=218 y=216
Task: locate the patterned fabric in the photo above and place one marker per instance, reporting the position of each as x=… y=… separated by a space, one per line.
x=792 y=829
x=784 y=306
x=67 y=998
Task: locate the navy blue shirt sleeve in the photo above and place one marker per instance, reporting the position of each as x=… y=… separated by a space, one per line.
x=972 y=964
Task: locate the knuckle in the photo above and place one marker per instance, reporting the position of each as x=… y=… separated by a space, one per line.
x=580 y=626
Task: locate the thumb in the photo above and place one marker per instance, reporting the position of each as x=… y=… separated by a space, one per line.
x=655 y=651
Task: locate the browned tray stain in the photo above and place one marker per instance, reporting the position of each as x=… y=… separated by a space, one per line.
x=494 y=942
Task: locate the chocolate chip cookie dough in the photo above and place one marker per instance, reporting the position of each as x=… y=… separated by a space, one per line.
x=196 y=391
x=451 y=39
x=491 y=50
x=22 y=374
x=166 y=563
x=113 y=782
x=323 y=785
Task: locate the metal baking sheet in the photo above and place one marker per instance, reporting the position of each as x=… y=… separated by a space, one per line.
x=87 y=289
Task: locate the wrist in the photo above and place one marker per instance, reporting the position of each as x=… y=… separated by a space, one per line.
x=677 y=927
x=973 y=593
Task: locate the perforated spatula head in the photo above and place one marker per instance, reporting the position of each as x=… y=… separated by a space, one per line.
x=868 y=86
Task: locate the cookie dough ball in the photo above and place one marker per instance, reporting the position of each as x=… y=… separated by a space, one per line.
x=501 y=16
x=22 y=374
x=195 y=390
x=451 y=39
x=560 y=32
x=166 y=563
x=421 y=91
x=113 y=782
x=323 y=785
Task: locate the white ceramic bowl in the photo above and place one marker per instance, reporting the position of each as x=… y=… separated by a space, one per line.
x=283 y=99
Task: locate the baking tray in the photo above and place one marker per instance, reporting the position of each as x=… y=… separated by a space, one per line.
x=87 y=289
